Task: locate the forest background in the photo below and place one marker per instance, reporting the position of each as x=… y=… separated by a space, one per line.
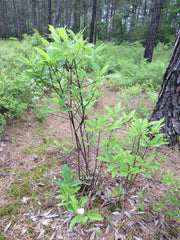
x=113 y=20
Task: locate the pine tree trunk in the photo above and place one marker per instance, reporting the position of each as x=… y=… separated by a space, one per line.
x=85 y=9
x=168 y=103
x=33 y=14
x=107 y=19
x=17 y=22
x=49 y=17
x=93 y=19
x=56 y=18
x=153 y=30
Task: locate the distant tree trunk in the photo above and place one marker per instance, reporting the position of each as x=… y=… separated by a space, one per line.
x=49 y=15
x=133 y=21
x=24 y=16
x=33 y=14
x=93 y=19
x=107 y=19
x=153 y=29
x=49 y=18
x=96 y=27
x=168 y=103
x=17 y=22
x=85 y=8
x=76 y=16
x=7 y=20
x=57 y=13
x=68 y=8
x=144 y=12
x=3 y=20
x=39 y=13
x=27 y=16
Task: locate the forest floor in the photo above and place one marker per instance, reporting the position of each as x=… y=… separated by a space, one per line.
x=29 y=163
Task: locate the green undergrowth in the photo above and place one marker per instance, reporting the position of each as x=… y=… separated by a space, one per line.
x=17 y=94
x=32 y=183
x=9 y=209
x=127 y=66
x=125 y=62
x=141 y=98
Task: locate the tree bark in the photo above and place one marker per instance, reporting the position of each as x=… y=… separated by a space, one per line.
x=168 y=103
x=33 y=14
x=49 y=17
x=39 y=21
x=144 y=13
x=107 y=19
x=85 y=11
x=57 y=13
x=3 y=31
x=153 y=30
x=93 y=19
x=133 y=20
x=76 y=16
x=17 y=22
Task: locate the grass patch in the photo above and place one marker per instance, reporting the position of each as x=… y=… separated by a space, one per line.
x=9 y=209
x=32 y=183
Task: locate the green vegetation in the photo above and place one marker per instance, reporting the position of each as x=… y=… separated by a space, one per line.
x=172 y=197
x=16 y=92
x=27 y=183
x=128 y=68
x=67 y=191
x=125 y=63
x=70 y=73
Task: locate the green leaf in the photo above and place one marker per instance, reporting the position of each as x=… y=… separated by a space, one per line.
x=95 y=67
x=106 y=154
x=61 y=204
x=76 y=219
x=32 y=75
x=43 y=54
x=149 y=159
x=123 y=174
x=63 y=34
x=94 y=215
x=70 y=209
x=111 y=167
x=71 y=33
x=85 y=219
x=59 y=182
x=75 y=183
x=87 y=50
x=67 y=173
x=121 y=191
x=153 y=165
x=60 y=195
x=54 y=34
x=75 y=189
x=109 y=109
x=141 y=207
x=117 y=108
x=103 y=70
x=74 y=203
x=83 y=201
x=53 y=100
